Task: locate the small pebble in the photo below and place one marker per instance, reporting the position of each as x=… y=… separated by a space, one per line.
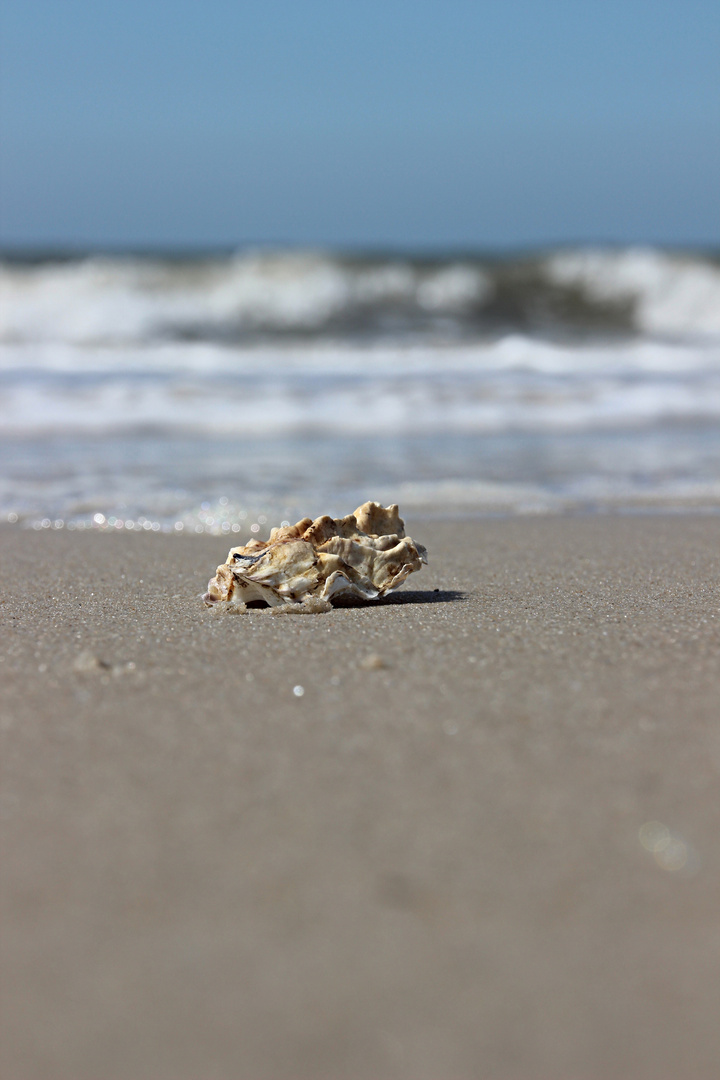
x=372 y=662
x=298 y=691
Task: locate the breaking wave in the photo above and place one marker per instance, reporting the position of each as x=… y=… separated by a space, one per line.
x=114 y=300
x=196 y=393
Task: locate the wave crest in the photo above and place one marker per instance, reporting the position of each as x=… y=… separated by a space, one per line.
x=304 y=294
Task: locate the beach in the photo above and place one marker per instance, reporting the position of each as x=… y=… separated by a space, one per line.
x=469 y=831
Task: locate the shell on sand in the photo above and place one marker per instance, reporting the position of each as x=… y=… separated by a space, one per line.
x=301 y=567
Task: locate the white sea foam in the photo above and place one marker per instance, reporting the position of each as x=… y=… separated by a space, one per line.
x=512 y=384
x=132 y=300
x=670 y=294
x=138 y=387
x=115 y=300
x=509 y=353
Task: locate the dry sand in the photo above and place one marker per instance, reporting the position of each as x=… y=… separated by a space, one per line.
x=429 y=865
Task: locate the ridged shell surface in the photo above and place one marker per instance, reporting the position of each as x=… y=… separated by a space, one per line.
x=304 y=566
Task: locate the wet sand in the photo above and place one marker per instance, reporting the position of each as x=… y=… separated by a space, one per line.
x=435 y=862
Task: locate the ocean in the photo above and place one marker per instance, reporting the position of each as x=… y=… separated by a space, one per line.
x=226 y=393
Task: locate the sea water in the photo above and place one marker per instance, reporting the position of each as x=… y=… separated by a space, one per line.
x=225 y=393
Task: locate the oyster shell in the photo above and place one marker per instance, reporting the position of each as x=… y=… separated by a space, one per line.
x=301 y=567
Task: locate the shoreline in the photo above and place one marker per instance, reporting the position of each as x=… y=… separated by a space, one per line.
x=430 y=862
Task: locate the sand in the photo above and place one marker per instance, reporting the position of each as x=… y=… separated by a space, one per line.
x=435 y=862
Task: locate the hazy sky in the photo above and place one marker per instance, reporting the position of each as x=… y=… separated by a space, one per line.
x=415 y=123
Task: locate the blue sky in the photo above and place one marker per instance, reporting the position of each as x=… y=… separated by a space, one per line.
x=422 y=124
